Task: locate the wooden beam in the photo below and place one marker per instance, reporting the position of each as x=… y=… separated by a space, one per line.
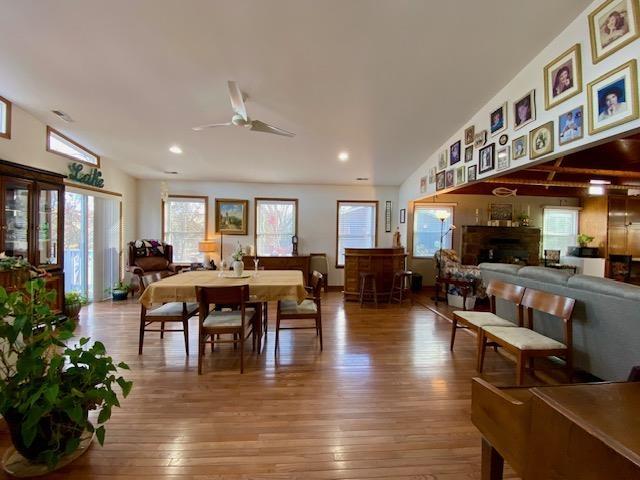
x=584 y=171
x=553 y=183
x=557 y=163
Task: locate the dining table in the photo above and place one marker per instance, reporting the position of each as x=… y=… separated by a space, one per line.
x=264 y=286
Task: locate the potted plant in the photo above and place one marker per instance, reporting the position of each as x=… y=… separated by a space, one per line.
x=48 y=388
x=584 y=240
x=14 y=271
x=119 y=291
x=238 y=264
x=73 y=302
x=524 y=219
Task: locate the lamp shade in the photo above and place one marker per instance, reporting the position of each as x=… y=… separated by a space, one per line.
x=442 y=215
x=208 y=246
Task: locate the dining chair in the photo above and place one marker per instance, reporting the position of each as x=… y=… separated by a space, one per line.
x=168 y=312
x=239 y=322
x=319 y=263
x=309 y=309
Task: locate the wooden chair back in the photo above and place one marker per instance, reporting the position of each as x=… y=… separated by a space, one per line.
x=236 y=295
x=150 y=278
x=506 y=291
x=316 y=283
x=554 y=305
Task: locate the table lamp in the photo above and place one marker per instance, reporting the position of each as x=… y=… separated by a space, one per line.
x=208 y=247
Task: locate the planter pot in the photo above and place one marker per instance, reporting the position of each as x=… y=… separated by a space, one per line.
x=72 y=310
x=456 y=301
x=238 y=267
x=119 y=295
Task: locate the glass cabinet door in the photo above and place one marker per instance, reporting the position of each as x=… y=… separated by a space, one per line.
x=15 y=231
x=48 y=211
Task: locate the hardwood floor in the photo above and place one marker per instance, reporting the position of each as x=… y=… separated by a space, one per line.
x=385 y=400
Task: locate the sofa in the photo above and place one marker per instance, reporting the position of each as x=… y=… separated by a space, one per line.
x=606 y=318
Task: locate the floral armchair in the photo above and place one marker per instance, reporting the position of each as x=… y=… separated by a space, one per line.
x=453 y=269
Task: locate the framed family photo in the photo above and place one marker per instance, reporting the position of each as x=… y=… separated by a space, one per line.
x=469 y=134
x=541 y=140
x=440 y=181
x=524 y=110
x=423 y=184
x=443 y=161
x=571 y=126
x=487 y=161
x=454 y=152
x=613 y=25
x=450 y=179
x=519 y=147
x=563 y=77
x=460 y=171
x=503 y=158
x=231 y=216
x=498 y=119
x=480 y=139
x=432 y=175
x=468 y=154
x=472 y=173
x=613 y=98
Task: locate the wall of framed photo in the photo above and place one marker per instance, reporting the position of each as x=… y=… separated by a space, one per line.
x=581 y=89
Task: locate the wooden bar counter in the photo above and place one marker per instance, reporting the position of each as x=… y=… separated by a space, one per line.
x=382 y=262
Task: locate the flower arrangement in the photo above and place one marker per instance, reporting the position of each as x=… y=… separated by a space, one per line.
x=238 y=253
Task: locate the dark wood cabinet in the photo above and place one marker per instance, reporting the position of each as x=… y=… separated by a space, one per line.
x=382 y=262
x=292 y=262
x=31 y=217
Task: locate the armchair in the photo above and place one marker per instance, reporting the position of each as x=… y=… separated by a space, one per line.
x=450 y=271
x=151 y=256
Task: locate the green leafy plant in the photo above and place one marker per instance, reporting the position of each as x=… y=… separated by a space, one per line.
x=12 y=263
x=584 y=240
x=47 y=388
x=75 y=298
x=238 y=253
x=119 y=287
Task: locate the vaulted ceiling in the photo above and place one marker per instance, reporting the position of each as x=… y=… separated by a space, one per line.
x=387 y=81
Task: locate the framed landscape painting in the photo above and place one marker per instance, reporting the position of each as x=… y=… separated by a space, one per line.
x=231 y=216
x=613 y=25
x=563 y=77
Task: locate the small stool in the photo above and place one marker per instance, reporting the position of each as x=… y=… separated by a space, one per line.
x=368 y=292
x=399 y=287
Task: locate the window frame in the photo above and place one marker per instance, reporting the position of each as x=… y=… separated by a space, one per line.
x=256 y=202
x=206 y=216
x=576 y=210
x=375 y=203
x=7 y=109
x=51 y=130
x=435 y=206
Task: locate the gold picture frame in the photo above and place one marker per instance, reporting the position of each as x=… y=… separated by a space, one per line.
x=552 y=72
x=598 y=120
x=615 y=40
x=236 y=213
x=541 y=141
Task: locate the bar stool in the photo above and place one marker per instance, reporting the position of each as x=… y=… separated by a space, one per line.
x=368 y=292
x=399 y=288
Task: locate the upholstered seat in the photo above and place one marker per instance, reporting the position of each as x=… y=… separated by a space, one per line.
x=292 y=307
x=524 y=338
x=173 y=309
x=483 y=319
x=227 y=318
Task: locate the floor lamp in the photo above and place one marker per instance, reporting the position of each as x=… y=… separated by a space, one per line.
x=441 y=215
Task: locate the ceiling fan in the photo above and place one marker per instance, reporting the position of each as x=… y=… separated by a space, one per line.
x=240 y=117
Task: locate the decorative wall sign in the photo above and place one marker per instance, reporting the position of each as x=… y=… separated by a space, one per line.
x=387 y=217
x=92 y=178
x=403 y=215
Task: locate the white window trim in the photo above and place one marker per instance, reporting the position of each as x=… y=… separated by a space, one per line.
x=185 y=198
x=75 y=144
x=374 y=204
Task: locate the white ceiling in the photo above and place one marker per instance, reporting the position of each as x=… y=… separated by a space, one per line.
x=386 y=80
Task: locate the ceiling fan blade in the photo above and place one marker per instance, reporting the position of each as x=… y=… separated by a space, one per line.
x=258 y=126
x=211 y=125
x=237 y=101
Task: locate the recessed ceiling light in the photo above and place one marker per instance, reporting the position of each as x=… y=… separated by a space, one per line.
x=170 y=172
x=175 y=149
x=343 y=156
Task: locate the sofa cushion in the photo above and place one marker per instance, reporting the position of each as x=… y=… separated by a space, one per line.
x=291 y=307
x=605 y=286
x=483 y=319
x=172 y=309
x=500 y=267
x=546 y=275
x=524 y=338
x=152 y=264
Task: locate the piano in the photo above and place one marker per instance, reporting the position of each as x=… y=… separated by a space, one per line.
x=563 y=432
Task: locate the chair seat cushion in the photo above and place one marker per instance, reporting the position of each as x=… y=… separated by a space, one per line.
x=291 y=307
x=172 y=309
x=524 y=338
x=483 y=319
x=228 y=318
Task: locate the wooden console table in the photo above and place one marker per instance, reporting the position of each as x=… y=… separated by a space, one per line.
x=297 y=262
x=382 y=262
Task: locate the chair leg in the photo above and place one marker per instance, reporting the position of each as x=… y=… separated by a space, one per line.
x=242 y=338
x=162 y=330
x=482 y=348
x=141 y=339
x=185 y=329
x=569 y=367
x=520 y=368
x=277 y=334
x=213 y=342
x=454 y=327
x=319 y=322
x=362 y=282
x=393 y=288
x=375 y=294
x=201 y=351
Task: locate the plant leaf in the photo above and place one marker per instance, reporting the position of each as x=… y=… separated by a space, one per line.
x=75 y=414
x=100 y=434
x=123 y=366
x=28 y=433
x=72 y=445
x=84 y=340
x=51 y=393
x=105 y=414
x=125 y=386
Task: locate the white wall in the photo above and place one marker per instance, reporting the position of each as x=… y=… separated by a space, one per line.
x=529 y=78
x=27 y=146
x=316 y=211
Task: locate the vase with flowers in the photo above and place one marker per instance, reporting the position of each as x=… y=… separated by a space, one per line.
x=238 y=264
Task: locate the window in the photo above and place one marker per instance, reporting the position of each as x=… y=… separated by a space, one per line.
x=357 y=227
x=427 y=229
x=5 y=118
x=62 y=145
x=560 y=228
x=184 y=225
x=276 y=223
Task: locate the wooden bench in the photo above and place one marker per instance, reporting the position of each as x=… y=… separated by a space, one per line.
x=525 y=343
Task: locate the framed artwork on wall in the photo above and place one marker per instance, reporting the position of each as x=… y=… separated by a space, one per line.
x=519 y=147
x=503 y=158
x=454 y=152
x=498 y=119
x=487 y=162
x=387 y=216
x=460 y=175
x=541 y=140
x=432 y=175
x=524 y=110
x=571 y=126
x=612 y=26
x=443 y=161
x=472 y=173
x=563 y=77
x=469 y=133
x=231 y=216
x=423 y=184
x=480 y=139
x=468 y=154
x=613 y=98
x=403 y=215
x=500 y=211
x=450 y=179
x=440 y=181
